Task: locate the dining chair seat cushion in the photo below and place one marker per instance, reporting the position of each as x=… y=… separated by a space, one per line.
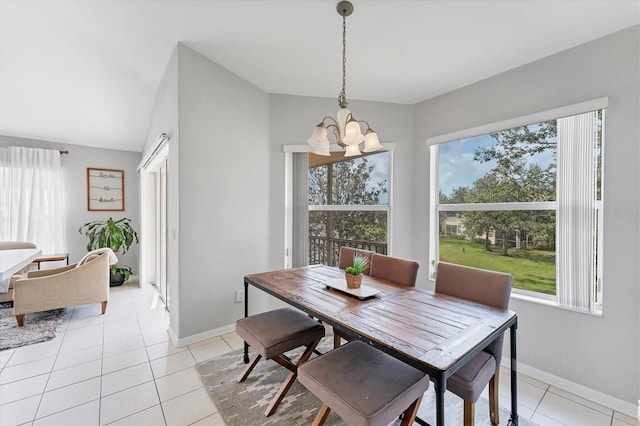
x=471 y=379
x=363 y=385
x=275 y=332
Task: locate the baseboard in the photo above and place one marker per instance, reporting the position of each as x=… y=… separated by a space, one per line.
x=172 y=336
x=200 y=336
x=609 y=401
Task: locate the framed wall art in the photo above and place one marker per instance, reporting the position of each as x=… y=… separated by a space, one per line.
x=105 y=189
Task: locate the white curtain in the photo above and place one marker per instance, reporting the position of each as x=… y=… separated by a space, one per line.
x=576 y=221
x=31 y=197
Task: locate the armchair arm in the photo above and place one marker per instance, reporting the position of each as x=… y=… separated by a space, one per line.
x=52 y=271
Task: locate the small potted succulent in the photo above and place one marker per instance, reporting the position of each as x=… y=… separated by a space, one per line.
x=118 y=235
x=353 y=274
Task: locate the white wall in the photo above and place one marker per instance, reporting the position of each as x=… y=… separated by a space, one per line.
x=74 y=180
x=601 y=353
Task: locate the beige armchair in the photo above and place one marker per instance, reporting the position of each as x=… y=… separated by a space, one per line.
x=61 y=287
x=14 y=245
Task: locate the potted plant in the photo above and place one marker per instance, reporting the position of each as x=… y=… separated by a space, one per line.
x=353 y=273
x=118 y=235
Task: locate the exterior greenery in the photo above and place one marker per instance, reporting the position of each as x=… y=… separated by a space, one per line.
x=360 y=181
x=532 y=269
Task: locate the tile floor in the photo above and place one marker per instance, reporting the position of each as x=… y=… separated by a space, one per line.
x=121 y=369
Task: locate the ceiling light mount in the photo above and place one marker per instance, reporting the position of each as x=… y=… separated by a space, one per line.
x=345 y=127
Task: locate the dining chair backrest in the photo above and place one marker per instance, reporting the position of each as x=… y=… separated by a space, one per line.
x=477 y=285
x=401 y=271
x=346 y=257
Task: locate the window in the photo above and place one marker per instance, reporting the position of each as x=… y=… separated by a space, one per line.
x=526 y=200
x=31 y=197
x=348 y=205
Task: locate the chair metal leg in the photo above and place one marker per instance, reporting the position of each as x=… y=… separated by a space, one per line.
x=469 y=413
x=321 y=416
x=494 y=408
x=249 y=367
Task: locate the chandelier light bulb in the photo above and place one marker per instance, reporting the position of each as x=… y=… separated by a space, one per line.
x=352 y=133
x=371 y=141
x=319 y=135
x=351 y=151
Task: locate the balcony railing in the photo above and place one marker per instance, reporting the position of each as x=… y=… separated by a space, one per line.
x=326 y=251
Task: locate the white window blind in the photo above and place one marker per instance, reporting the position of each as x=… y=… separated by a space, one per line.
x=576 y=213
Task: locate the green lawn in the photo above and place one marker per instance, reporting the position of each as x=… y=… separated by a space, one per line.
x=533 y=270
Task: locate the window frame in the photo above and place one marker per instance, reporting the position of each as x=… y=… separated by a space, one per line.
x=435 y=207
x=289 y=150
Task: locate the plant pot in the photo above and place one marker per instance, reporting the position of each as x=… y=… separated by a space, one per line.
x=353 y=281
x=116 y=279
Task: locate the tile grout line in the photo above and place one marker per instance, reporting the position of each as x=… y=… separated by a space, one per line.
x=44 y=390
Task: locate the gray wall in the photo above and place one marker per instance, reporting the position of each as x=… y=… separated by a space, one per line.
x=227 y=192
x=292 y=119
x=74 y=178
x=219 y=189
x=165 y=119
x=601 y=353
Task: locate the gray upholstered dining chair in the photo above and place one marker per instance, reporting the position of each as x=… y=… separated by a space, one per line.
x=346 y=257
x=398 y=270
x=364 y=385
x=273 y=333
x=488 y=288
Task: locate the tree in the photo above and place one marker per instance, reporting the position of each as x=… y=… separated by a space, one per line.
x=513 y=179
x=348 y=182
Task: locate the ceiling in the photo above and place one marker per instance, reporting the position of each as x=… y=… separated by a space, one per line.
x=86 y=72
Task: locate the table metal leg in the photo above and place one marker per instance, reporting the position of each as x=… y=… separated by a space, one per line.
x=246 y=314
x=514 y=377
x=441 y=387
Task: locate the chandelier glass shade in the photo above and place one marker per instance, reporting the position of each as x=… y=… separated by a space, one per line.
x=345 y=128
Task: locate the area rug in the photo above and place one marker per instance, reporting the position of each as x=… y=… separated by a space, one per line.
x=38 y=327
x=243 y=404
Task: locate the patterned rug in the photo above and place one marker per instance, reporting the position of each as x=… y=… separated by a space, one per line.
x=38 y=327
x=242 y=404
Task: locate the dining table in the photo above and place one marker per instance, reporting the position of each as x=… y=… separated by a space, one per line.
x=435 y=333
x=12 y=261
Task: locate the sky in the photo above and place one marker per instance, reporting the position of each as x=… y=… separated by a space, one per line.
x=458 y=168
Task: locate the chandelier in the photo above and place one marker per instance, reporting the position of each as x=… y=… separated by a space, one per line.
x=345 y=127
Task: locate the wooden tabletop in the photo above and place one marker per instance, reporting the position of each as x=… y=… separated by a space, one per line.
x=426 y=329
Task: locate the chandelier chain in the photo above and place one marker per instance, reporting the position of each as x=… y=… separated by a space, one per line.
x=342 y=97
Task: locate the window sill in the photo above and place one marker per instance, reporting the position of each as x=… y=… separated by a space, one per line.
x=537 y=300
x=551 y=303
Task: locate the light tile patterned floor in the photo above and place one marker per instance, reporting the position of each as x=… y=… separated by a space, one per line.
x=121 y=369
